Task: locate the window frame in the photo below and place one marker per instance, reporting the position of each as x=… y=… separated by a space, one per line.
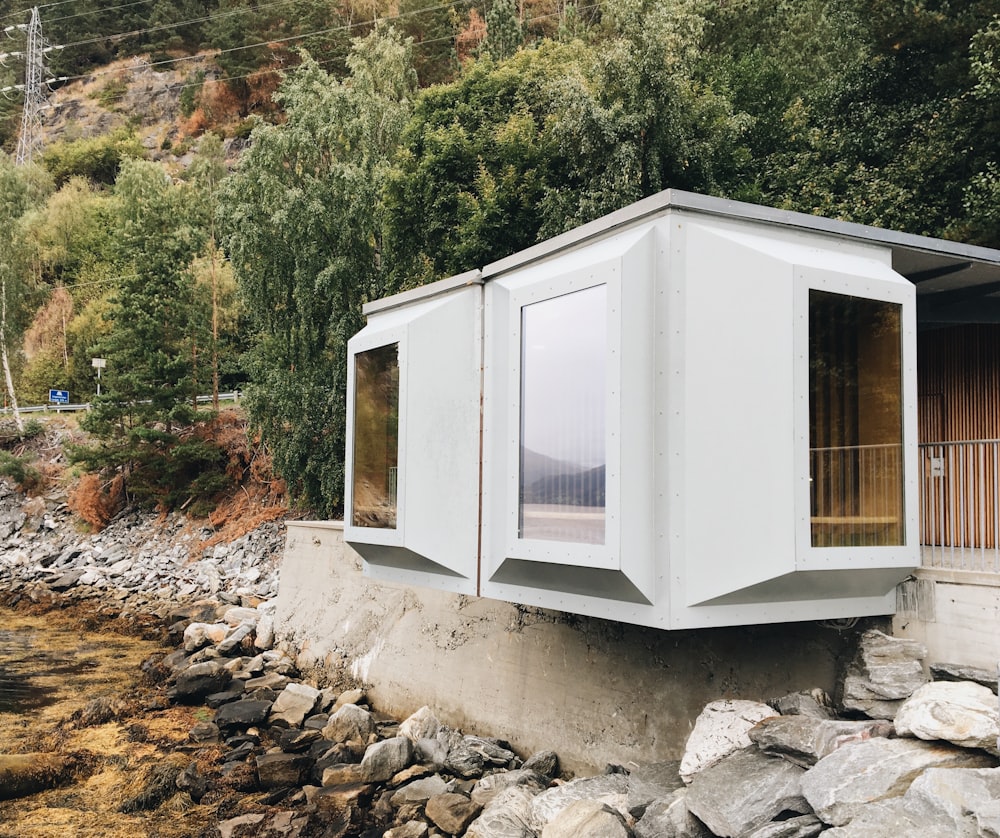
x=604 y=556
x=807 y=556
x=377 y=535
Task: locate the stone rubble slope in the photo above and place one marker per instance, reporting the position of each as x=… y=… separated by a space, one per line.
x=140 y=559
x=321 y=761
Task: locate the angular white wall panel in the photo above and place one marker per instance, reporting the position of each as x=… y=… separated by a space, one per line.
x=436 y=538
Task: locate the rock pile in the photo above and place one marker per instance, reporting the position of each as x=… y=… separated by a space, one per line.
x=140 y=560
x=900 y=755
x=787 y=769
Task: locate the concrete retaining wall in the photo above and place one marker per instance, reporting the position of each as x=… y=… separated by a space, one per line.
x=955 y=613
x=594 y=691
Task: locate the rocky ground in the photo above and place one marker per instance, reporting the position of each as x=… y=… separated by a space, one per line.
x=247 y=747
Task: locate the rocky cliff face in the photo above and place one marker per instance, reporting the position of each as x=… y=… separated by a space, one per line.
x=140 y=94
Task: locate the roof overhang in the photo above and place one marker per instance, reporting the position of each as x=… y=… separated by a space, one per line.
x=956 y=283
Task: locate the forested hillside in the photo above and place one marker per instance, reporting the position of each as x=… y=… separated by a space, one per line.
x=322 y=154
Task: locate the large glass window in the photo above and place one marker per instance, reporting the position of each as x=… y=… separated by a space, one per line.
x=376 y=437
x=563 y=403
x=855 y=421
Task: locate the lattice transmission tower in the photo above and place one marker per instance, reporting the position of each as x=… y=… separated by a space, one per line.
x=35 y=86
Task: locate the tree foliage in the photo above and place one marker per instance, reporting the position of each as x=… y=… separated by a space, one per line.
x=304 y=228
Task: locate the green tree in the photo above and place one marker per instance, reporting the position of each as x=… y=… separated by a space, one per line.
x=148 y=390
x=503 y=30
x=21 y=188
x=303 y=225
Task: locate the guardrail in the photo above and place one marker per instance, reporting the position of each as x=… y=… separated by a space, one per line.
x=960 y=505
x=234 y=396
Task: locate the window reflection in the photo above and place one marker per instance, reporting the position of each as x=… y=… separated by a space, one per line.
x=855 y=421
x=376 y=437
x=563 y=397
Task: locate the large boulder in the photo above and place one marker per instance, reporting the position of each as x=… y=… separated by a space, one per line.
x=745 y=791
x=508 y=815
x=606 y=788
x=349 y=723
x=587 y=819
x=840 y=785
x=960 y=712
x=720 y=730
x=884 y=672
x=805 y=740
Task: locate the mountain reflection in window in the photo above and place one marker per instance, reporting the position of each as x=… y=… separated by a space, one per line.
x=563 y=401
x=376 y=437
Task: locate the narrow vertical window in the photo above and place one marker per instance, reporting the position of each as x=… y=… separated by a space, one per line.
x=376 y=437
x=563 y=406
x=855 y=421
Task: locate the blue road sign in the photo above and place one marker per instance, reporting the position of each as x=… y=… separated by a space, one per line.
x=59 y=396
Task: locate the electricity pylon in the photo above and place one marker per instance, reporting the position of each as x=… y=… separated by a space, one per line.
x=34 y=98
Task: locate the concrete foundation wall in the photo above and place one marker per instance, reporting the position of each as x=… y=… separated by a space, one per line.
x=594 y=691
x=955 y=613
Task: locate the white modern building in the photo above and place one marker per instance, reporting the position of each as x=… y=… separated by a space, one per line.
x=689 y=413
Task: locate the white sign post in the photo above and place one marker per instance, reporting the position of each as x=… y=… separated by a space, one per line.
x=98 y=364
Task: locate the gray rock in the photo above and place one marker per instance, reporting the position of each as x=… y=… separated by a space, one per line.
x=451 y=812
x=966 y=799
x=280 y=770
x=491 y=785
x=958 y=672
x=296 y=741
x=841 y=784
x=806 y=739
x=606 y=788
x=670 y=818
x=745 y=791
x=242 y=714
x=544 y=762
x=884 y=672
x=235 y=637
x=422 y=724
x=961 y=712
x=200 y=679
x=419 y=791
x=384 y=759
x=507 y=816
x=294 y=703
x=350 y=722
x=720 y=730
x=814 y=702
x=587 y=819
x=890 y=818
x=647 y=783
x=271 y=681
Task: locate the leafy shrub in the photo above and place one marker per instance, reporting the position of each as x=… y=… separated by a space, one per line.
x=21 y=470
x=111 y=94
x=96 y=158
